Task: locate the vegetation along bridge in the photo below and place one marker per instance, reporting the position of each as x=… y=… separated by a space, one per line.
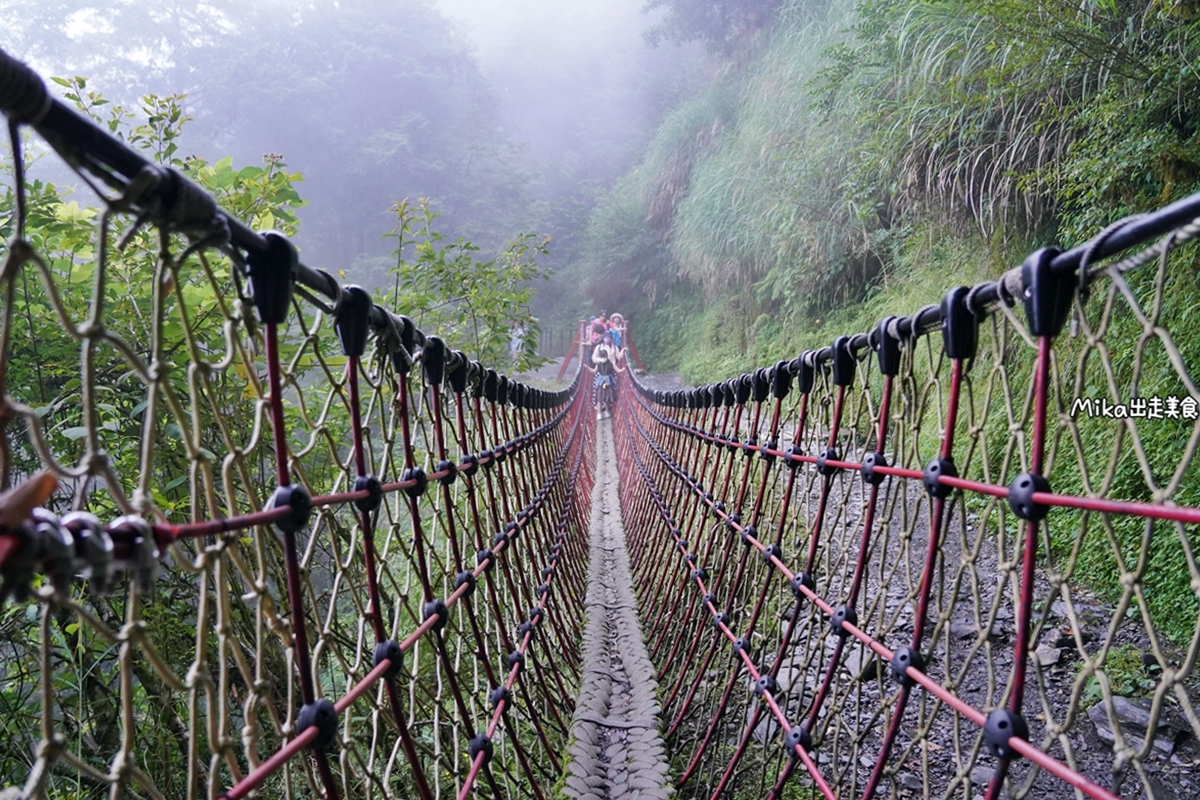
x=871 y=568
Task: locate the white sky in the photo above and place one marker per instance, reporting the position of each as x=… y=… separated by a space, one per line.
x=563 y=69
x=543 y=32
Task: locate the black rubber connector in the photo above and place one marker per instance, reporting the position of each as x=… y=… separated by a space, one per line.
x=319 y=714
x=936 y=469
x=449 y=470
x=459 y=373
x=741 y=389
x=747 y=533
x=486 y=558
x=433 y=361
x=480 y=744
x=94 y=547
x=17 y=574
x=797 y=737
x=408 y=343
x=515 y=659
x=1000 y=726
x=903 y=659
x=844 y=362
x=421 y=481
x=295 y=498
x=827 y=455
x=870 y=462
x=781 y=380
x=719 y=619
x=794 y=452
x=887 y=348
x=389 y=651
x=1047 y=295
x=766 y=686
x=143 y=559
x=436 y=608
x=469 y=465
x=802 y=579
x=806 y=372
x=741 y=645
x=374 y=498
x=353 y=320
x=1020 y=496
x=772 y=551
x=273 y=276
x=760 y=384
x=55 y=548
x=465 y=578
x=501 y=694
x=842 y=615
x=960 y=328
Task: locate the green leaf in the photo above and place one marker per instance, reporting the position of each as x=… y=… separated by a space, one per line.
x=75 y=433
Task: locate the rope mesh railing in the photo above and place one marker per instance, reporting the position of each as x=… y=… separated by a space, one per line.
x=377 y=529
x=950 y=557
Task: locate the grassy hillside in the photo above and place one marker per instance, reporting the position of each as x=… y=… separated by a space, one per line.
x=866 y=157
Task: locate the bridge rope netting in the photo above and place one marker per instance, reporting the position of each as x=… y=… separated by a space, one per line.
x=918 y=561
x=376 y=532
x=951 y=557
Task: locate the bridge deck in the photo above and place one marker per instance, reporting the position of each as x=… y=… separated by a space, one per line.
x=617 y=750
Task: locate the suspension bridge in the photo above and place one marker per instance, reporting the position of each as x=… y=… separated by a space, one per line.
x=953 y=556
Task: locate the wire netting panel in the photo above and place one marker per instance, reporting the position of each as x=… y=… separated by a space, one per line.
x=299 y=546
x=857 y=563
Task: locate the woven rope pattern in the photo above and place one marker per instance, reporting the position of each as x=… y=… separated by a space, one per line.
x=206 y=624
x=1068 y=622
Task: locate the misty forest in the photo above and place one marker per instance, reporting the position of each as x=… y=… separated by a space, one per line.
x=736 y=173
x=743 y=180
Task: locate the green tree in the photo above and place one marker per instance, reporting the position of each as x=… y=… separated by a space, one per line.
x=473 y=304
x=724 y=26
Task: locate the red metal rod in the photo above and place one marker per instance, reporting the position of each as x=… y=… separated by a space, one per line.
x=271 y=765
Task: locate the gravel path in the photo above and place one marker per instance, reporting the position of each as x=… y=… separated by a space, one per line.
x=617 y=750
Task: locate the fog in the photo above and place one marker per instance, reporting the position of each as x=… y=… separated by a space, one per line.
x=509 y=116
x=576 y=81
